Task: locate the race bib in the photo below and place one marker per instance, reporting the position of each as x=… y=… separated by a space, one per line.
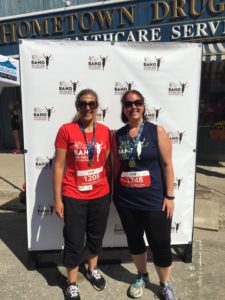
x=138 y=179
x=87 y=178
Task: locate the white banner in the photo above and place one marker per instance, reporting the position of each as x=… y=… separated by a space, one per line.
x=53 y=72
x=9 y=72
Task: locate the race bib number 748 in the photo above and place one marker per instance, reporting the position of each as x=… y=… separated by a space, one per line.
x=137 y=179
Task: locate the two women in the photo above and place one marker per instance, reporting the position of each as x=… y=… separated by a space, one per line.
x=143 y=190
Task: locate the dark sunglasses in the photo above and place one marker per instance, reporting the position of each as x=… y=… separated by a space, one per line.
x=84 y=104
x=137 y=103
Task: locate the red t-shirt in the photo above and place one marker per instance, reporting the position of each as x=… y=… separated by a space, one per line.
x=81 y=181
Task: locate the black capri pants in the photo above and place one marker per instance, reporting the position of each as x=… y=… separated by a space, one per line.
x=157 y=229
x=84 y=225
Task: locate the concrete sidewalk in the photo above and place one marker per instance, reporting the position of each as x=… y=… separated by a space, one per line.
x=200 y=280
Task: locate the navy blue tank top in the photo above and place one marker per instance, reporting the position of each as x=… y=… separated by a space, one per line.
x=145 y=198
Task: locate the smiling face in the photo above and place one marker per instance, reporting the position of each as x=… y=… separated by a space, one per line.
x=87 y=106
x=133 y=107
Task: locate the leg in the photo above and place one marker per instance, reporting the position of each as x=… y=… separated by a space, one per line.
x=98 y=211
x=72 y=275
x=75 y=214
x=157 y=228
x=16 y=138
x=133 y=227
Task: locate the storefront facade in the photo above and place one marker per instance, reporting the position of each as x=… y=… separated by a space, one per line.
x=140 y=21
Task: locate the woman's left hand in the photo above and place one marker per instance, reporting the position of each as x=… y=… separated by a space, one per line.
x=168 y=205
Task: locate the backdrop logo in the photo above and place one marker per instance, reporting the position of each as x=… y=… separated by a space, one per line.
x=97 y=62
x=176 y=227
x=152 y=64
x=42 y=163
x=120 y=88
x=118 y=229
x=152 y=114
x=177 y=183
x=45 y=210
x=41 y=61
x=8 y=70
x=176 y=137
x=43 y=114
x=65 y=88
x=101 y=114
x=177 y=89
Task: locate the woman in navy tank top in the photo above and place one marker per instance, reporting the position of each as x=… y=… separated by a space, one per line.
x=143 y=192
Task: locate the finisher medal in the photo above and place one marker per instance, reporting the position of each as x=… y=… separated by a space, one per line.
x=132 y=163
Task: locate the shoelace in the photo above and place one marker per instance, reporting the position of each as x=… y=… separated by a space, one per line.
x=96 y=274
x=168 y=290
x=73 y=290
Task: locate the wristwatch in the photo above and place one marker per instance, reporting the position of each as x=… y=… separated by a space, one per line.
x=169 y=197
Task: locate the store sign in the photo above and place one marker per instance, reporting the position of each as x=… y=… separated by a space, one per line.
x=144 y=21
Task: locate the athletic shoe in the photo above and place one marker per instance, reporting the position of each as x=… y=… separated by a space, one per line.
x=166 y=292
x=96 y=279
x=72 y=292
x=136 y=289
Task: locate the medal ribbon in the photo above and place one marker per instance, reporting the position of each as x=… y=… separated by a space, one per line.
x=91 y=145
x=132 y=153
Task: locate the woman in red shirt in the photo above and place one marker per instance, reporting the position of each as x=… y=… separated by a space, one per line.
x=82 y=195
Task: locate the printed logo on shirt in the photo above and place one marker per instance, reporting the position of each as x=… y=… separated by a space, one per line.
x=45 y=210
x=42 y=163
x=118 y=229
x=125 y=147
x=177 y=89
x=81 y=151
x=176 y=137
x=177 y=183
x=41 y=61
x=101 y=114
x=43 y=114
x=152 y=114
x=152 y=64
x=68 y=87
x=97 y=62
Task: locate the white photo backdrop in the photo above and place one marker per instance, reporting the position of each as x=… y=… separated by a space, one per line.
x=53 y=72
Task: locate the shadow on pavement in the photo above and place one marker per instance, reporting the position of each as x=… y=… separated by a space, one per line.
x=209 y=172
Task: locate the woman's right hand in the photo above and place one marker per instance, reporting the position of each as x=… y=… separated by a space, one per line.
x=59 y=209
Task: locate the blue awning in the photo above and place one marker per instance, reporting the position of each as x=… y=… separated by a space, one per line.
x=213 y=52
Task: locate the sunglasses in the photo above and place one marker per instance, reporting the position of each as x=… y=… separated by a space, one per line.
x=137 y=103
x=84 y=104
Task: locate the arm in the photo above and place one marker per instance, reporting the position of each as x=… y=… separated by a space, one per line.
x=115 y=160
x=60 y=158
x=108 y=167
x=165 y=151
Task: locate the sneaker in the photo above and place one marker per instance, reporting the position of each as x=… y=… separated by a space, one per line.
x=136 y=289
x=72 y=292
x=166 y=292
x=96 y=279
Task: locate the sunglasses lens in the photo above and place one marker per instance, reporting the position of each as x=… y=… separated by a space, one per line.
x=91 y=104
x=137 y=103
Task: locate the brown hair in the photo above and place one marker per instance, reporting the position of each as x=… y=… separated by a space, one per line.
x=123 y=100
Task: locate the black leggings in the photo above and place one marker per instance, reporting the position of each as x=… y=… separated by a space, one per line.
x=84 y=224
x=157 y=229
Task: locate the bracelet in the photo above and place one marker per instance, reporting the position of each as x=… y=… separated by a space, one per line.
x=169 y=197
